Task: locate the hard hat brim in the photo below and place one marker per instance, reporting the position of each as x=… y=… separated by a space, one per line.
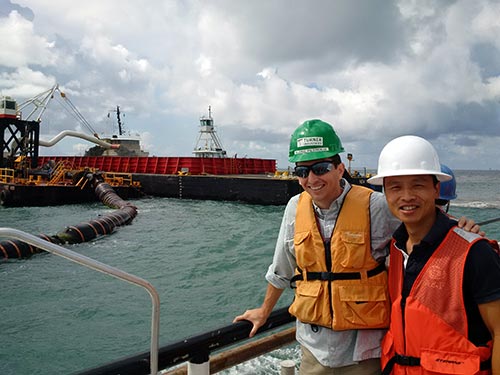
x=379 y=178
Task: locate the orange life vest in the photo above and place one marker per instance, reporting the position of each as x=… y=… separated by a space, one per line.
x=339 y=284
x=431 y=337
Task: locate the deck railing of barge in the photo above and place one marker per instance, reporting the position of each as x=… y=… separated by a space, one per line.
x=196 y=350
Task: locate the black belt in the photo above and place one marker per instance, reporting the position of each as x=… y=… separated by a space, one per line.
x=404 y=360
x=400 y=360
x=332 y=276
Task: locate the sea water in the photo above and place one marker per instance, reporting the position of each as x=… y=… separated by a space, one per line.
x=207 y=260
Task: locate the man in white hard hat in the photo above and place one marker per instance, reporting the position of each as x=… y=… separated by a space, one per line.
x=444 y=282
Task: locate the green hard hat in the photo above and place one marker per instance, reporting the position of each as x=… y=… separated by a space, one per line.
x=314 y=139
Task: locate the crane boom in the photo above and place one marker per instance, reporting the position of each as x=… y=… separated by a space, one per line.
x=40 y=102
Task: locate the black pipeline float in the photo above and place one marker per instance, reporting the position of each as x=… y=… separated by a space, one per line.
x=83 y=232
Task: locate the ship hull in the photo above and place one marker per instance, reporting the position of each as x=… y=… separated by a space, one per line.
x=249 y=189
x=20 y=195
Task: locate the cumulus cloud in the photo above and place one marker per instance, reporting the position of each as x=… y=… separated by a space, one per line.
x=24 y=47
x=375 y=70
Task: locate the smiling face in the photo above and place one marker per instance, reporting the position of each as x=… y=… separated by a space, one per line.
x=412 y=200
x=323 y=189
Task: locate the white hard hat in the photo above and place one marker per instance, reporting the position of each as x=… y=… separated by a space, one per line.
x=408 y=155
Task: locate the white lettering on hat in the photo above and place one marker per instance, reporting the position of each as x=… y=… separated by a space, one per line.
x=310 y=141
x=308 y=150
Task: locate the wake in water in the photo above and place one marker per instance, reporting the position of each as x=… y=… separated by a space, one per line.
x=477 y=204
x=268 y=364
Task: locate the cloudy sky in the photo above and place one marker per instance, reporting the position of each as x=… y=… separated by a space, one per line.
x=373 y=69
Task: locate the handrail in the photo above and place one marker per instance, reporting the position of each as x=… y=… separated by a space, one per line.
x=58 y=173
x=239 y=354
x=6 y=175
x=104 y=268
x=195 y=349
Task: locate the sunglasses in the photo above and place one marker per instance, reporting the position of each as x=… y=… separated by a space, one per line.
x=318 y=169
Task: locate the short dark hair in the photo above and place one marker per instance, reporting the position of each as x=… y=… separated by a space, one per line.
x=434 y=180
x=336 y=160
x=442 y=202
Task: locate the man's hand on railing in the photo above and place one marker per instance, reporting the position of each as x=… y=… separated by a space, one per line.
x=255 y=316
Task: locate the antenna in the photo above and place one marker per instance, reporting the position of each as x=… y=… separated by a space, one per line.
x=121 y=130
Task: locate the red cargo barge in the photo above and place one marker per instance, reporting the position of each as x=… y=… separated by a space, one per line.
x=169 y=165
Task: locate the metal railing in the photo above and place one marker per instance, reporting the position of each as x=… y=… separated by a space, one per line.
x=197 y=350
x=101 y=267
x=6 y=175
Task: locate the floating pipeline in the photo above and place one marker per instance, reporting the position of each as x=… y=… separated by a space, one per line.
x=83 y=232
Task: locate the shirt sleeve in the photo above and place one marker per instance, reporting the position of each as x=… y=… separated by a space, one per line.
x=482 y=272
x=383 y=224
x=284 y=263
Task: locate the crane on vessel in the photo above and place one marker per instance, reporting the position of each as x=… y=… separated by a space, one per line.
x=40 y=102
x=21 y=134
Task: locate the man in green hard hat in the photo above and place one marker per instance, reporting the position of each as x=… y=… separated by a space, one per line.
x=331 y=249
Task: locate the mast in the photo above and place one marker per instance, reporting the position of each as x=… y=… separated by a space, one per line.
x=120 y=130
x=208 y=144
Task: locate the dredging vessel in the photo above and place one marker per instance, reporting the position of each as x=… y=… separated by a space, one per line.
x=209 y=174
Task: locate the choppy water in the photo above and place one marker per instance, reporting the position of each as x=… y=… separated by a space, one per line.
x=207 y=259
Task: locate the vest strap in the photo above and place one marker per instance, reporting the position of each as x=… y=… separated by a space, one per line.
x=388 y=366
x=404 y=360
x=485 y=365
x=332 y=276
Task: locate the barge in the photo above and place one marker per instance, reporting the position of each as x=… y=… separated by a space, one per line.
x=22 y=195
x=248 y=180
x=62 y=184
x=209 y=174
x=254 y=181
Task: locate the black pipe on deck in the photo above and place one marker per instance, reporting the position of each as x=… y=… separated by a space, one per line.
x=195 y=349
x=83 y=232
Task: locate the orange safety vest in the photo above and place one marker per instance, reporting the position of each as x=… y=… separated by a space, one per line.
x=431 y=337
x=338 y=283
